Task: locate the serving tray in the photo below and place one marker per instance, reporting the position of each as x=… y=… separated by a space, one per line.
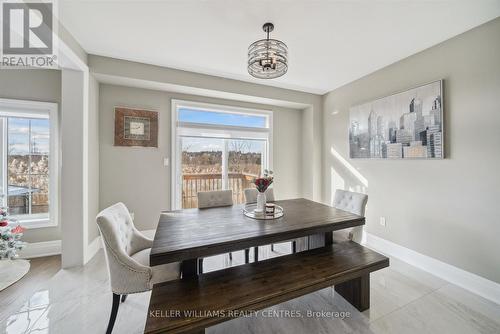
x=249 y=211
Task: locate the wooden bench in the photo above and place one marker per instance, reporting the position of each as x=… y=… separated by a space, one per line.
x=191 y=305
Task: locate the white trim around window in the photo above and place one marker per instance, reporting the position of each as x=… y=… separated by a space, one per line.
x=35 y=109
x=190 y=129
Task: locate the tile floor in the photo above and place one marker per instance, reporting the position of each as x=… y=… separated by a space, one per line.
x=404 y=299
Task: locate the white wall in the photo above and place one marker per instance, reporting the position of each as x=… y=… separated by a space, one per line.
x=137 y=177
x=93 y=158
x=130 y=73
x=72 y=44
x=74 y=167
x=446 y=209
x=312 y=153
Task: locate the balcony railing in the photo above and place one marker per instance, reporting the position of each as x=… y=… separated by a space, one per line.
x=192 y=183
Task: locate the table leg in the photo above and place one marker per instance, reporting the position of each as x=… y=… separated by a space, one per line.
x=320 y=240
x=356 y=292
x=200 y=265
x=328 y=238
x=301 y=244
x=190 y=268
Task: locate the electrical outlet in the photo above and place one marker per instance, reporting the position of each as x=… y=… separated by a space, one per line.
x=382 y=221
x=166 y=162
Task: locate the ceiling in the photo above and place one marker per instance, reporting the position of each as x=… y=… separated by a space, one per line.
x=331 y=43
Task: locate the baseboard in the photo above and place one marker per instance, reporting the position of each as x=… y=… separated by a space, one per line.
x=96 y=244
x=93 y=248
x=48 y=248
x=467 y=280
x=39 y=249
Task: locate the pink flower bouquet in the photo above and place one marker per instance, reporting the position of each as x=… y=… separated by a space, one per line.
x=262 y=183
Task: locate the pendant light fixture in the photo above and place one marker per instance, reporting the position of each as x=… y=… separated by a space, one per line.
x=267 y=58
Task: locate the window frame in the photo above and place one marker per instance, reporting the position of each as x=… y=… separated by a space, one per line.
x=34 y=109
x=193 y=129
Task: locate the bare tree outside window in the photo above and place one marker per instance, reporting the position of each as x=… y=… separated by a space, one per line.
x=28 y=166
x=202 y=166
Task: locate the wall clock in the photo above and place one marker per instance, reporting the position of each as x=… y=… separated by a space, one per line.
x=136 y=127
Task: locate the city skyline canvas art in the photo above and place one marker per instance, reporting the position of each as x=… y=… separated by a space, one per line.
x=406 y=125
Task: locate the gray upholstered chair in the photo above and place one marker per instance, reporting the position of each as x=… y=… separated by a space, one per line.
x=354 y=203
x=213 y=199
x=127 y=255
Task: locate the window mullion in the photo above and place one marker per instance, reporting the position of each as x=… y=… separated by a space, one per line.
x=3 y=161
x=27 y=117
x=29 y=168
x=218 y=129
x=225 y=157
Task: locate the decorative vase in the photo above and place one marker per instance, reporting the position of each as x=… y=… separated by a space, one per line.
x=261 y=202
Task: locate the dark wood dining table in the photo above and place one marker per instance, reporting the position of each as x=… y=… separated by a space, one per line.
x=217 y=296
x=191 y=234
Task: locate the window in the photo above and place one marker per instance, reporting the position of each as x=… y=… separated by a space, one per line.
x=216 y=148
x=221 y=118
x=28 y=173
